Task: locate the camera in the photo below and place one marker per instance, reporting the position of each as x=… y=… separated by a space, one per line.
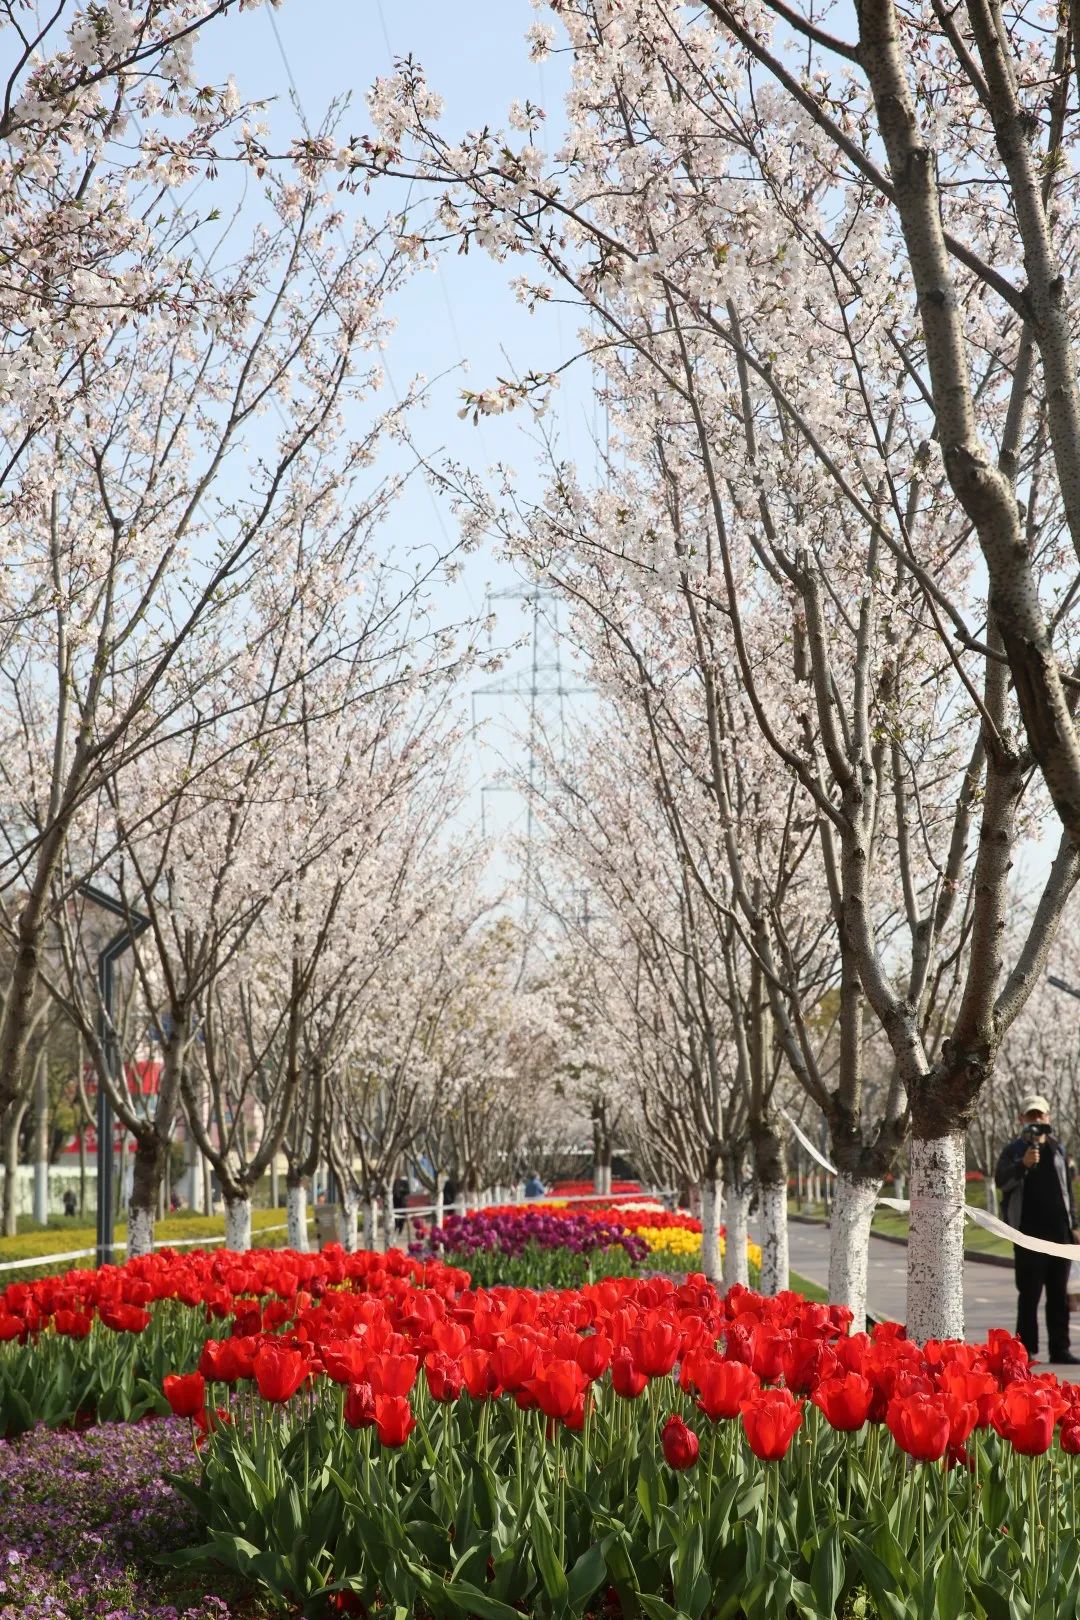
x=1035 y=1133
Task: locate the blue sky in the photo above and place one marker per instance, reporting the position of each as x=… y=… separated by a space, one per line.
x=458 y=323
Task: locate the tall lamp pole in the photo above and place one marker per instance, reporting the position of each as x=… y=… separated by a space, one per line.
x=134 y=924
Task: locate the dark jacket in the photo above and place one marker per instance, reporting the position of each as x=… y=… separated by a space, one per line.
x=1011 y=1172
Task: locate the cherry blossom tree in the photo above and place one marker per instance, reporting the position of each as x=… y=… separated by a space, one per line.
x=741 y=264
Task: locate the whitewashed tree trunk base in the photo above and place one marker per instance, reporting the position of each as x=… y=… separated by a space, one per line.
x=238 y=1224
x=736 y=1211
x=711 y=1198
x=348 y=1220
x=774 y=1238
x=296 y=1217
x=935 y=1269
x=140 y=1231
x=371 y=1223
x=439 y=1215
x=849 y=1244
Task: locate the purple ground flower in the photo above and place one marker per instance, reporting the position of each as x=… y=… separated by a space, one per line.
x=81 y=1516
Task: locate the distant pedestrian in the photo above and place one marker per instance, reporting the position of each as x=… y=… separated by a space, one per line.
x=71 y=1204
x=401 y=1191
x=534 y=1187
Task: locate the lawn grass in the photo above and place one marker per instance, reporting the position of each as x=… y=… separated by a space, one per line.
x=61 y=1236
x=808 y=1289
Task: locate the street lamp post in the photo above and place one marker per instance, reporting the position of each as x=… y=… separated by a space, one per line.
x=134 y=924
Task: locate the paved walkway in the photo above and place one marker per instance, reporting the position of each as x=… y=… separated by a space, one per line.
x=989 y=1291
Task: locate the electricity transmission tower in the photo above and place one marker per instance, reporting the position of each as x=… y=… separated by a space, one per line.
x=542 y=688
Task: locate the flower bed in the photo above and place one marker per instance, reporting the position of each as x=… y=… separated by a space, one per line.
x=375 y=1434
x=83 y=1517
x=585 y=1189
x=632 y=1447
x=672 y=1237
x=535 y=1247
x=94 y=1345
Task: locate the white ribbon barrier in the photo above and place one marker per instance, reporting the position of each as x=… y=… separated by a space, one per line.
x=980 y=1217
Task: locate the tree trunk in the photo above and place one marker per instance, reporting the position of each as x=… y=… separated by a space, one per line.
x=348 y=1210
x=712 y=1187
x=849 y=1243
x=774 y=1237
x=296 y=1213
x=438 y=1201
x=11 y=1170
x=41 y=1143
x=238 y=1224
x=935 y=1268
x=145 y=1182
x=736 y=1210
x=770 y=1166
x=371 y=1223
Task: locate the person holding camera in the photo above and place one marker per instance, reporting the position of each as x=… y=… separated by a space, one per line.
x=1034 y=1178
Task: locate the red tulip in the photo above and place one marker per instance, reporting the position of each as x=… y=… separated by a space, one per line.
x=480 y=1381
x=557 y=1387
x=737 y=1346
x=392 y=1375
x=445 y=1378
x=977 y=1388
x=1023 y=1414
x=845 y=1400
x=920 y=1425
x=123 y=1318
x=963 y=1417
x=655 y=1345
x=852 y=1351
x=625 y=1378
x=226 y=1360
x=1069 y=1435
x=723 y=1386
x=514 y=1361
x=72 y=1324
x=279 y=1372
x=680 y=1443
x=345 y=1360
x=185 y=1393
x=359 y=1406
x=449 y=1337
x=594 y=1355
x=806 y=1363
x=768 y=1349
x=393 y=1419
x=770 y=1419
